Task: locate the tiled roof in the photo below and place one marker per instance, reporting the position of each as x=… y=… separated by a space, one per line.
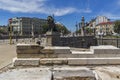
x=103 y=23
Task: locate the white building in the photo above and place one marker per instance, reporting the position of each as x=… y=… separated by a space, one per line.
x=26 y=25
x=101 y=19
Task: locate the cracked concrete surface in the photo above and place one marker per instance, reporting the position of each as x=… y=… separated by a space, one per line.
x=63 y=72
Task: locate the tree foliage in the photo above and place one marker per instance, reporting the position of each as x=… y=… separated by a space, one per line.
x=89 y=30
x=60 y=28
x=45 y=28
x=3 y=31
x=78 y=31
x=117 y=26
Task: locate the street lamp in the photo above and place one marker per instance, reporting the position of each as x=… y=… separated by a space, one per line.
x=10 y=30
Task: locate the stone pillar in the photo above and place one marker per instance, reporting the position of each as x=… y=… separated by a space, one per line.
x=82 y=26
x=21 y=28
x=32 y=33
x=53 y=38
x=82 y=31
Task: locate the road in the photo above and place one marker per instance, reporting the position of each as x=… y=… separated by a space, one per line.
x=7 y=53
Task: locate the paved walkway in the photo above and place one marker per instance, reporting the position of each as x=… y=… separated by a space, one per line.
x=7 y=53
x=27 y=74
x=61 y=72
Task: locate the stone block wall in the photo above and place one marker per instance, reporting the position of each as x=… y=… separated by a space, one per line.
x=28 y=49
x=79 y=41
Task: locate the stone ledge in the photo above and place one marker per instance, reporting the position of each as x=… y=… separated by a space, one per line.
x=26 y=61
x=28 y=48
x=105 y=49
x=93 y=61
x=47 y=51
x=58 y=50
x=65 y=61
x=51 y=61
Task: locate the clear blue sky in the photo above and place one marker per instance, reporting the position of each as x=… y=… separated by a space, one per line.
x=68 y=12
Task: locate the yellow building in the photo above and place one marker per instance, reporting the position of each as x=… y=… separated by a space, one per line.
x=105 y=28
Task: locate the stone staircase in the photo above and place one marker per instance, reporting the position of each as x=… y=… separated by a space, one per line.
x=30 y=55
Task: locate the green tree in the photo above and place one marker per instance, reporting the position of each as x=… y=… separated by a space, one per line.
x=62 y=28
x=79 y=31
x=117 y=26
x=3 y=31
x=89 y=30
x=45 y=28
x=58 y=27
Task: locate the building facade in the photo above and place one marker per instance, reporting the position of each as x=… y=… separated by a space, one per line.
x=101 y=25
x=26 y=26
x=100 y=19
x=91 y=25
x=105 y=28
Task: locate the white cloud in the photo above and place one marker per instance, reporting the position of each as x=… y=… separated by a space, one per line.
x=22 y=5
x=36 y=6
x=60 y=12
x=86 y=10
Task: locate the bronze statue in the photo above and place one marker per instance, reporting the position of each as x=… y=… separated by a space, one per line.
x=51 y=24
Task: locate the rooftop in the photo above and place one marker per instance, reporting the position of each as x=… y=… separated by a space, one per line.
x=104 y=23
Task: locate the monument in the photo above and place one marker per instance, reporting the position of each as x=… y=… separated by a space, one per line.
x=51 y=24
x=52 y=35
x=53 y=62
x=82 y=24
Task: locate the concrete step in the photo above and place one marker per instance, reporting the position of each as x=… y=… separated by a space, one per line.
x=52 y=61
x=94 y=61
x=80 y=52
x=80 y=61
x=66 y=61
x=26 y=61
x=73 y=55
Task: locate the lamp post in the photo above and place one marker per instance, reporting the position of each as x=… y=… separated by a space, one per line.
x=10 y=31
x=10 y=34
x=76 y=29
x=33 y=36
